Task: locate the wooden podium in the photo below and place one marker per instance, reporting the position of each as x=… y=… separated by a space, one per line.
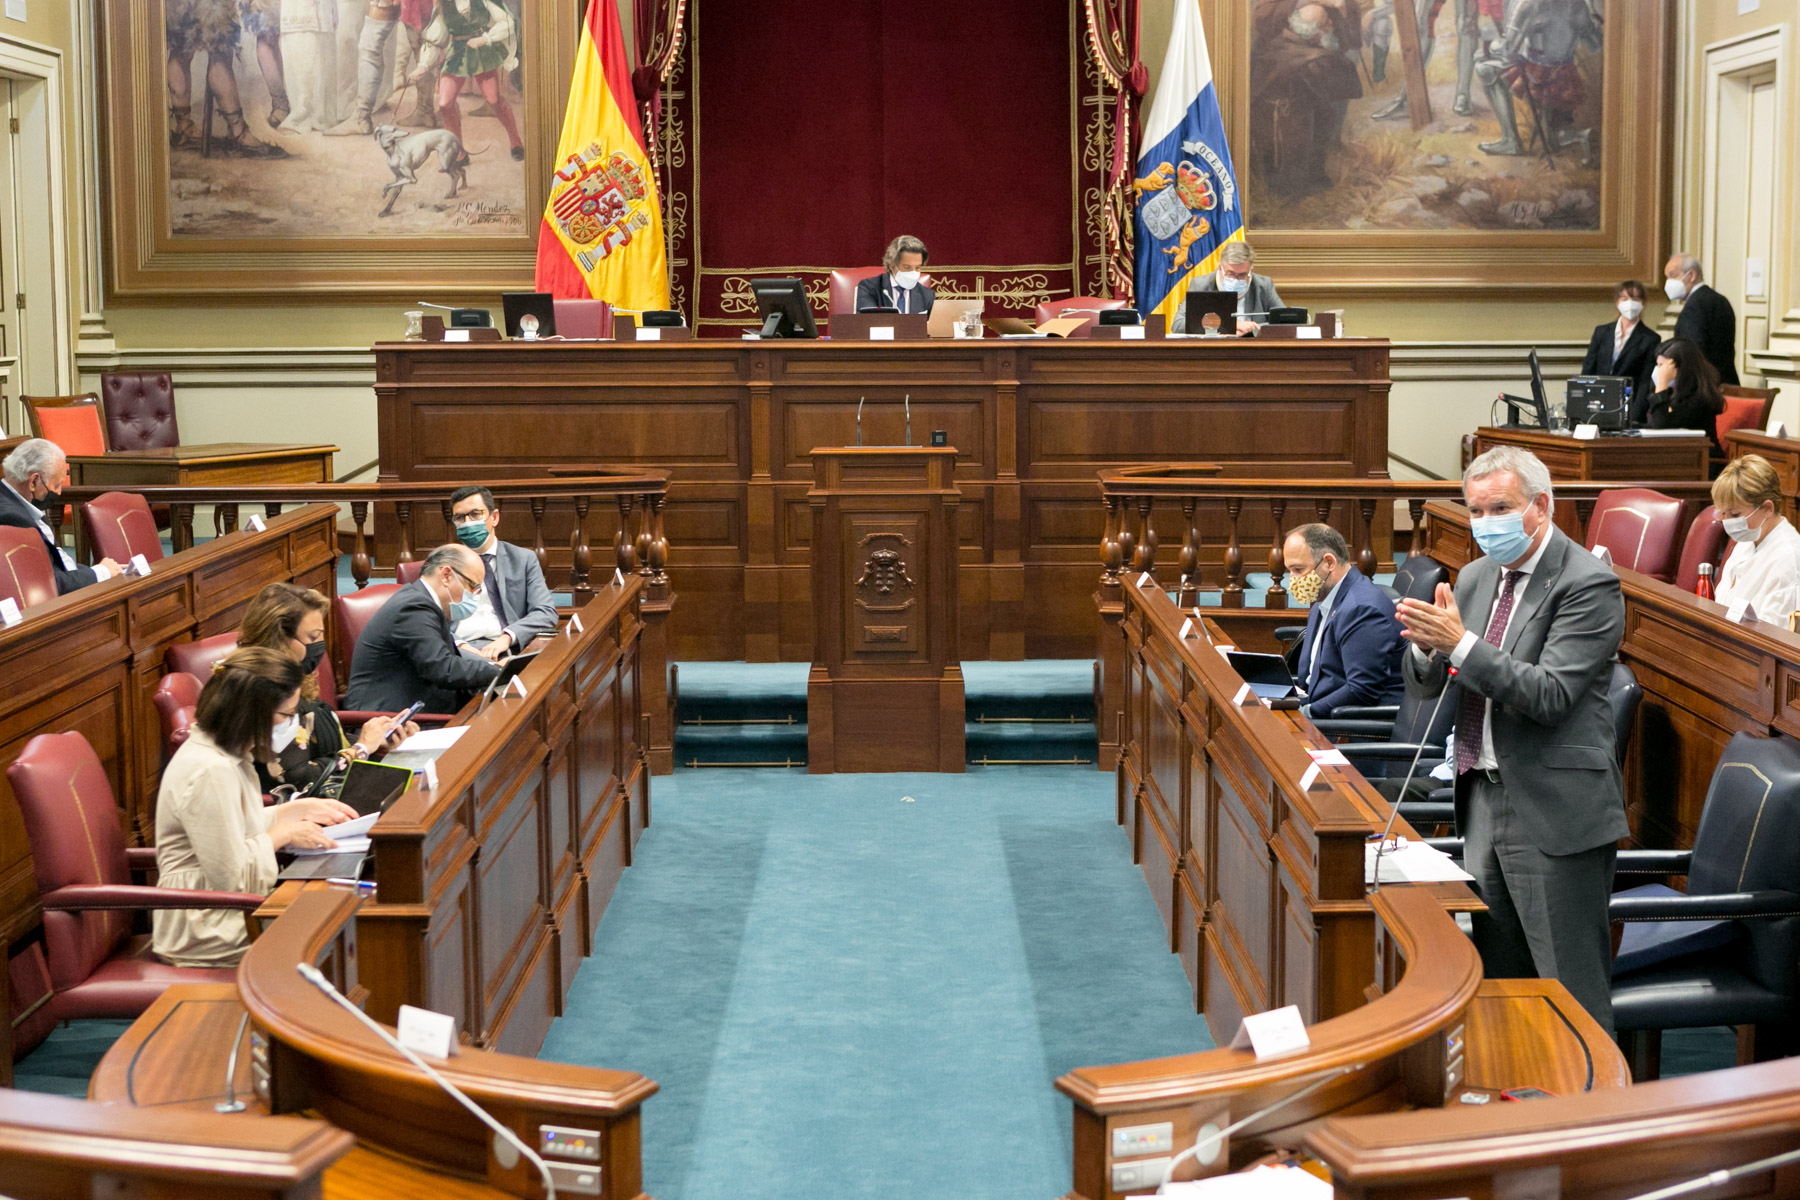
x=886 y=688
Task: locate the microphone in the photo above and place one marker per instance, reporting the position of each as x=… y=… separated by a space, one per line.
x=231 y=1104
x=1723 y=1175
x=1381 y=846
x=859 y=403
x=1205 y=1140
x=507 y=1146
x=909 y=418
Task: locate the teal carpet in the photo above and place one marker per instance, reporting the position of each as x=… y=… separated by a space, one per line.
x=847 y=993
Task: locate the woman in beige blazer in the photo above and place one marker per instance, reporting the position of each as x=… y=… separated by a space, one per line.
x=212 y=831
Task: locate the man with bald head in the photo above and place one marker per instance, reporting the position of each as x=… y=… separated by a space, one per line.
x=1707 y=318
x=408 y=651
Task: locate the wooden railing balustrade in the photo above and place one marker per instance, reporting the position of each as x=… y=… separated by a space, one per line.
x=641 y=547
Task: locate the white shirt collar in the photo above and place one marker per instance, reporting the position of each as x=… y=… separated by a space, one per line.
x=1530 y=564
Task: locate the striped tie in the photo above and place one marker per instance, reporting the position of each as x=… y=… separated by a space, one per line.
x=1471 y=712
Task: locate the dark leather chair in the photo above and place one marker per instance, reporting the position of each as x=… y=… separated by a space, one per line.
x=176 y=696
x=408 y=572
x=583 y=318
x=25 y=573
x=1743 y=872
x=1705 y=543
x=1640 y=528
x=198 y=657
x=1051 y=309
x=842 y=289
x=120 y=525
x=140 y=410
x=1389 y=744
x=98 y=966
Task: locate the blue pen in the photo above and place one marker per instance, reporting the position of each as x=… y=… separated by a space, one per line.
x=365 y=884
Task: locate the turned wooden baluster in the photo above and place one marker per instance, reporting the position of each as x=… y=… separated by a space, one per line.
x=581 y=565
x=1127 y=535
x=359 y=544
x=1112 y=557
x=229 y=514
x=1190 y=553
x=538 y=505
x=181 y=532
x=1145 y=559
x=403 y=512
x=1415 y=508
x=1233 y=596
x=1584 y=511
x=622 y=548
x=659 y=543
x=1365 y=554
x=1322 y=507
x=1276 y=596
x=644 y=537
x=272 y=510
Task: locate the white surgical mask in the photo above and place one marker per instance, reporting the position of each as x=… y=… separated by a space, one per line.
x=906 y=279
x=1631 y=309
x=284 y=733
x=1675 y=290
x=1738 y=529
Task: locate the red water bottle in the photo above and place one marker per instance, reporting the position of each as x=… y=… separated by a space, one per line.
x=1703 y=586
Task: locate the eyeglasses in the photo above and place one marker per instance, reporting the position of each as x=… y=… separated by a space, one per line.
x=287 y=714
x=467 y=582
x=465 y=518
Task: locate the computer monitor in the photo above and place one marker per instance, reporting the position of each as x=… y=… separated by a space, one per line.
x=784 y=308
x=539 y=306
x=1537 y=388
x=1536 y=408
x=1211 y=313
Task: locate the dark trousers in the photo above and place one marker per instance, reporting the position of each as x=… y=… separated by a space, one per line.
x=1546 y=913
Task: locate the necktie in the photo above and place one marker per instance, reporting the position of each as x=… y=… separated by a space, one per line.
x=1311 y=649
x=1472 y=709
x=902 y=299
x=493 y=587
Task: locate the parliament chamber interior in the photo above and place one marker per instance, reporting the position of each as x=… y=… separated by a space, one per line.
x=1037 y=600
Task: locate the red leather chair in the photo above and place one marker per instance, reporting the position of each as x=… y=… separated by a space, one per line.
x=1705 y=543
x=176 y=696
x=1745 y=408
x=198 y=657
x=842 y=293
x=26 y=577
x=120 y=525
x=353 y=614
x=583 y=318
x=140 y=410
x=1640 y=528
x=408 y=572
x=1052 y=309
x=98 y=966
x=72 y=422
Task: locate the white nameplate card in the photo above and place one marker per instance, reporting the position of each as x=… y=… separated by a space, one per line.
x=1776 y=428
x=9 y=612
x=429 y=773
x=575 y=623
x=1329 y=758
x=1603 y=554
x=881 y=333
x=1187 y=629
x=255 y=524
x=140 y=565
x=652 y=334
x=425 y=1032
x=1224 y=651
x=518 y=683
x=618 y=577
x=1740 y=611
x=1146 y=579
x=1586 y=433
x=1279 y=1031
x=1308 y=333
x=1131 y=333
x=1308 y=778
x=456 y=335
x=1246 y=696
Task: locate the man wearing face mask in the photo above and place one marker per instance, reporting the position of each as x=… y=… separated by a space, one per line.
x=1539 y=800
x=1706 y=319
x=35 y=474
x=519 y=606
x=900 y=287
x=1764 y=564
x=1626 y=346
x=1350 y=653
x=408 y=653
x=1256 y=293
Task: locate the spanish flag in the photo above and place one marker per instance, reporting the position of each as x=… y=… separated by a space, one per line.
x=602 y=234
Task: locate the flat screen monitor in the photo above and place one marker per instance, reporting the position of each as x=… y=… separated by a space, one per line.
x=1537 y=388
x=539 y=306
x=784 y=308
x=1537 y=407
x=1211 y=313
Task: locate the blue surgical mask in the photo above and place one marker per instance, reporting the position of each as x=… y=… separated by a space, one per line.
x=1240 y=286
x=468 y=606
x=1503 y=537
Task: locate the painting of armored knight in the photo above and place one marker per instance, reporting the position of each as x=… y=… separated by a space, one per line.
x=346 y=118
x=1511 y=104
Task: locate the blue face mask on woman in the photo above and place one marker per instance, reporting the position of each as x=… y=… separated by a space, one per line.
x=1502 y=537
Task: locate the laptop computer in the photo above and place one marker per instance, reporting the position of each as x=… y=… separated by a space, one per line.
x=539 y=306
x=1267 y=674
x=1212 y=313
x=941 y=322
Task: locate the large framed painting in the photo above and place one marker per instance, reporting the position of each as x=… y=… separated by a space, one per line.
x=1460 y=144
x=282 y=146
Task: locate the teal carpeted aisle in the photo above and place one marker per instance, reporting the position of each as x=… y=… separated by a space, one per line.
x=845 y=992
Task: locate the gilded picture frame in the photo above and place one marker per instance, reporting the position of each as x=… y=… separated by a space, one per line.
x=242 y=157
x=1612 y=220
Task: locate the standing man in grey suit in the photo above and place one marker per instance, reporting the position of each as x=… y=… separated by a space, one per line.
x=520 y=607
x=1538 y=796
x=1256 y=293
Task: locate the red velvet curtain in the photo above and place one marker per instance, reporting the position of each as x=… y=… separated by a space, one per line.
x=657 y=26
x=1113 y=37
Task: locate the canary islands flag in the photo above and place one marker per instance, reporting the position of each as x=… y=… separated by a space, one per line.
x=1188 y=204
x=602 y=233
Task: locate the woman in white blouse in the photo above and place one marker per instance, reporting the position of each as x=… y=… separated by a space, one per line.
x=213 y=832
x=1764 y=564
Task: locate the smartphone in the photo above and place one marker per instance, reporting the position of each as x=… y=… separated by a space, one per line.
x=1526 y=1093
x=401 y=719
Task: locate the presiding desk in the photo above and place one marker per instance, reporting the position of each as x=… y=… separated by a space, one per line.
x=733 y=423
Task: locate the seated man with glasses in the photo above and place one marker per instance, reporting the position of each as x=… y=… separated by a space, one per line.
x=519 y=606
x=408 y=651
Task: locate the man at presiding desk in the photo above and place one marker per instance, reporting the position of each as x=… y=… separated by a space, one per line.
x=1256 y=293
x=900 y=286
x=1539 y=801
x=408 y=652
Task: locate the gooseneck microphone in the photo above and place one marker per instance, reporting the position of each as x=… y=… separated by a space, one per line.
x=859 y=403
x=1207 y=1139
x=1381 y=846
x=909 y=418
x=1724 y=1175
x=508 y=1148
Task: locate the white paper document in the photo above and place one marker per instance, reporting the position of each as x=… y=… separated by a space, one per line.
x=434 y=739
x=1412 y=862
x=345 y=845
x=351 y=829
x=1258 y=1183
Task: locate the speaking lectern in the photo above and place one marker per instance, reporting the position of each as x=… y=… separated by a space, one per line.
x=886 y=688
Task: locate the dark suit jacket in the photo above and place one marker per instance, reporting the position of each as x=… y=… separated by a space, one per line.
x=1547 y=681
x=878 y=291
x=407 y=654
x=527 y=608
x=1261 y=297
x=21 y=514
x=1359 y=650
x=1707 y=320
x=1635 y=362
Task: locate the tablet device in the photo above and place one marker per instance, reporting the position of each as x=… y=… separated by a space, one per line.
x=510 y=667
x=1212 y=313
x=539 y=306
x=369 y=787
x=1267 y=674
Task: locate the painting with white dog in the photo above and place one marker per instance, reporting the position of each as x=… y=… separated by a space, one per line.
x=346 y=118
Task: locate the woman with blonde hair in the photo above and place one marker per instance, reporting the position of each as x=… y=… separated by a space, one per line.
x=213 y=832
x=1764 y=564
